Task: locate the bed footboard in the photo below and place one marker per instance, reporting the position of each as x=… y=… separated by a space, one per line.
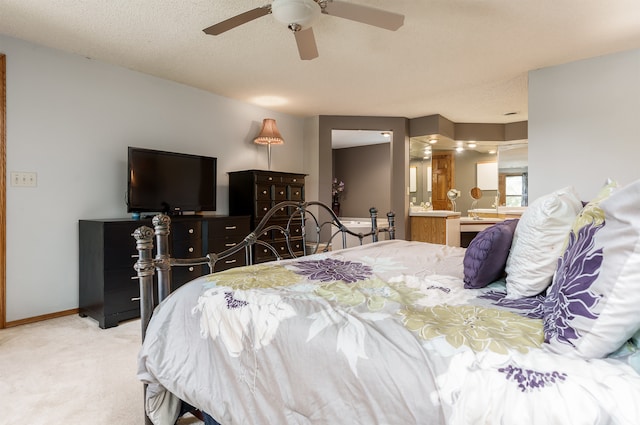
x=317 y=235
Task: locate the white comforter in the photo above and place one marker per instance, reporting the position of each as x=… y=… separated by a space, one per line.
x=379 y=334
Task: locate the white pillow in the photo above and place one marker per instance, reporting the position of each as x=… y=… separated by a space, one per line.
x=538 y=241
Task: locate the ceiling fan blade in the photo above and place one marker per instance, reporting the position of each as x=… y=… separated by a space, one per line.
x=306 y=44
x=238 y=20
x=364 y=14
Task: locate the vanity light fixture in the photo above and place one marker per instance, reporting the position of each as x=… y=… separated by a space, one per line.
x=471 y=144
x=433 y=141
x=459 y=149
x=269 y=135
x=386 y=134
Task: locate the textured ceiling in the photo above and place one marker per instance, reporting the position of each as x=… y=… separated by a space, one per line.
x=464 y=59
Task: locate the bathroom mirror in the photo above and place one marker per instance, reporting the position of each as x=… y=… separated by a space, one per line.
x=476 y=193
x=512 y=172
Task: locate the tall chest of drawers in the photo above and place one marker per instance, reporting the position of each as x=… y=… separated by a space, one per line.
x=107 y=252
x=254 y=192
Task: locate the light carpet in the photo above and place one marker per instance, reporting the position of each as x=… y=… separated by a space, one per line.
x=68 y=371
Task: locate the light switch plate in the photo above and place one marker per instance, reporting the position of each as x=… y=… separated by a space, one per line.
x=24 y=179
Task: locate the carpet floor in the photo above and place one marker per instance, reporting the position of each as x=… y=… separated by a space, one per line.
x=68 y=371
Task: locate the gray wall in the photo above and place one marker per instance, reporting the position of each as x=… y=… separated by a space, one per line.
x=366 y=172
x=70 y=119
x=583 y=124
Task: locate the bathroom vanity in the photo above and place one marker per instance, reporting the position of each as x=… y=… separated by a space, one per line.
x=436 y=226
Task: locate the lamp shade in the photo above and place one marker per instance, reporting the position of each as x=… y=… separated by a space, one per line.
x=269 y=135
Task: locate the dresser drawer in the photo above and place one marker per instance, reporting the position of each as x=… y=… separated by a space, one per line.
x=280 y=193
x=296 y=193
x=218 y=245
x=119 y=244
x=264 y=192
x=184 y=274
x=186 y=229
x=122 y=298
x=236 y=260
x=229 y=226
x=293 y=179
x=268 y=178
x=262 y=207
x=263 y=253
x=187 y=248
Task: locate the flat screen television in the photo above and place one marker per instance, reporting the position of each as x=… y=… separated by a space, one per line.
x=170 y=182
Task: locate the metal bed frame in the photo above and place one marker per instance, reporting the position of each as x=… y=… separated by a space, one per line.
x=304 y=214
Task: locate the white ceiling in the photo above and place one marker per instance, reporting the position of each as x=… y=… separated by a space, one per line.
x=464 y=59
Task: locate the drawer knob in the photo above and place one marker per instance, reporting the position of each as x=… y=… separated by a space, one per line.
x=230 y=227
x=281 y=192
x=190 y=249
x=191 y=231
x=230 y=244
x=230 y=261
x=264 y=209
x=135 y=299
x=190 y=269
x=270 y=178
x=264 y=192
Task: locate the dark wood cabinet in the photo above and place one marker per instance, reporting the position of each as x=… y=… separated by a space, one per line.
x=254 y=192
x=108 y=291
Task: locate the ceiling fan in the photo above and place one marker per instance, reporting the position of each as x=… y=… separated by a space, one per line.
x=299 y=15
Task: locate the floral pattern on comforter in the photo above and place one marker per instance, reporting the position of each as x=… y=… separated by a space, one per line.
x=384 y=333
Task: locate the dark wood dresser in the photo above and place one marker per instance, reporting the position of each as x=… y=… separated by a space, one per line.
x=254 y=192
x=108 y=291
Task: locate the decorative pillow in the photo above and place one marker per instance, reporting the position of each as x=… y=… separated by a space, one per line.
x=592 y=306
x=538 y=242
x=486 y=256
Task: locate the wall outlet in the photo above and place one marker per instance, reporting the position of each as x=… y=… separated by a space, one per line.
x=24 y=179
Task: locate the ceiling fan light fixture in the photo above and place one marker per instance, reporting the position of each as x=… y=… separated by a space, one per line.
x=296 y=12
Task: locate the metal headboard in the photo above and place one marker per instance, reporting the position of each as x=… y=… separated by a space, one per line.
x=304 y=214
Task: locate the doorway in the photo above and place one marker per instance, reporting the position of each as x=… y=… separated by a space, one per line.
x=3 y=191
x=361 y=160
x=443 y=179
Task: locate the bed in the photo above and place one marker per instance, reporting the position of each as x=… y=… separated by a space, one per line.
x=401 y=332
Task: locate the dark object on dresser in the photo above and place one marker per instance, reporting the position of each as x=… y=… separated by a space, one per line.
x=107 y=292
x=254 y=193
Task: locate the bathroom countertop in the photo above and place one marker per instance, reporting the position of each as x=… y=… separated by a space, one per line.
x=480 y=220
x=434 y=213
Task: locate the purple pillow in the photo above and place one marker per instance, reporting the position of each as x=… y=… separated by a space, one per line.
x=486 y=257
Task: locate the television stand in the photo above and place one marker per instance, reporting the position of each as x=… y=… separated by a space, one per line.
x=107 y=292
